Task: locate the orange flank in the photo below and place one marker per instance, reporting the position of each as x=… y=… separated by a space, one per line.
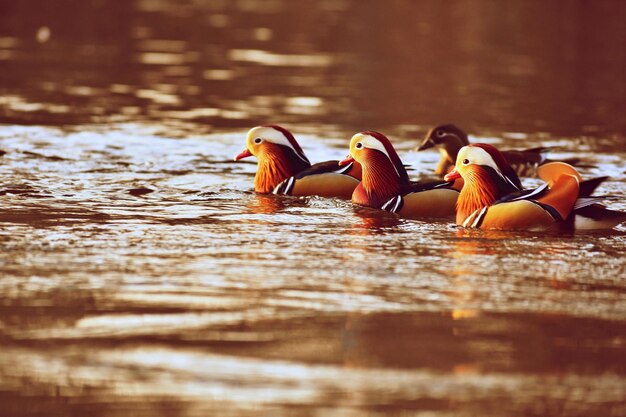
x=328 y=184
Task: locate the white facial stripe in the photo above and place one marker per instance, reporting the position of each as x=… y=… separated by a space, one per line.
x=477 y=156
x=373 y=143
x=274 y=136
x=442 y=134
x=270 y=135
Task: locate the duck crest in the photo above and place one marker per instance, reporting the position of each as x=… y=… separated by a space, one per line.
x=292 y=140
x=393 y=155
x=501 y=162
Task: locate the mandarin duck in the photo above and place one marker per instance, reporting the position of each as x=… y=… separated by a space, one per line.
x=385 y=183
x=284 y=169
x=449 y=139
x=490 y=200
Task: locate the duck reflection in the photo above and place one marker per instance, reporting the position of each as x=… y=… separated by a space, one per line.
x=270 y=204
x=372 y=221
x=469 y=243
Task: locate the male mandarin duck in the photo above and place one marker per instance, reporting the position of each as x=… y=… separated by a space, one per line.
x=385 y=183
x=490 y=200
x=284 y=169
x=449 y=139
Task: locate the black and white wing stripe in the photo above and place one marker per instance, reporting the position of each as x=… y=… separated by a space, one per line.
x=345 y=169
x=394 y=205
x=531 y=194
x=285 y=187
x=475 y=219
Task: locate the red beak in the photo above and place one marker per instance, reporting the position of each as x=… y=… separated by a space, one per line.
x=346 y=160
x=244 y=154
x=451 y=176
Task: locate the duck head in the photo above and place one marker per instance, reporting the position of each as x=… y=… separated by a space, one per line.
x=278 y=154
x=383 y=174
x=448 y=139
x=487 y=176
x=445 y=135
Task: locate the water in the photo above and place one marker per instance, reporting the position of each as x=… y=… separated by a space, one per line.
x=141 y=275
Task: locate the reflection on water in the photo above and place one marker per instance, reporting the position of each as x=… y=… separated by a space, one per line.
x=139 y=275
x=203 y=297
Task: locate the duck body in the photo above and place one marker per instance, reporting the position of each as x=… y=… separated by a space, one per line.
x=449 y=139
x=284 y=169
x=489 y=200
x=324 y=179
x=539 y=210
x=385 y=183
x=437 y=199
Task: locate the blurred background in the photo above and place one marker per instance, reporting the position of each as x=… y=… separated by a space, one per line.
x=489 y=66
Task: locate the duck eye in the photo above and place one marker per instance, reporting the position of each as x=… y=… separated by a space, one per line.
x=358 y=145
x=440 y=133
x=465 y=161
x=258 y=140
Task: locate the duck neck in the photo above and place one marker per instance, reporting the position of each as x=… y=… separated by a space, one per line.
x=478 y=191
x=274 y=167
x=379 y=183
x=452 y=146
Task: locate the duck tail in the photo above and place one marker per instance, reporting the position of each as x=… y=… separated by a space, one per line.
x=588 y=187
x=596 y=216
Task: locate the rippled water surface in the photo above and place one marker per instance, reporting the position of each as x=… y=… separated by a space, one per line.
x=140 y=275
